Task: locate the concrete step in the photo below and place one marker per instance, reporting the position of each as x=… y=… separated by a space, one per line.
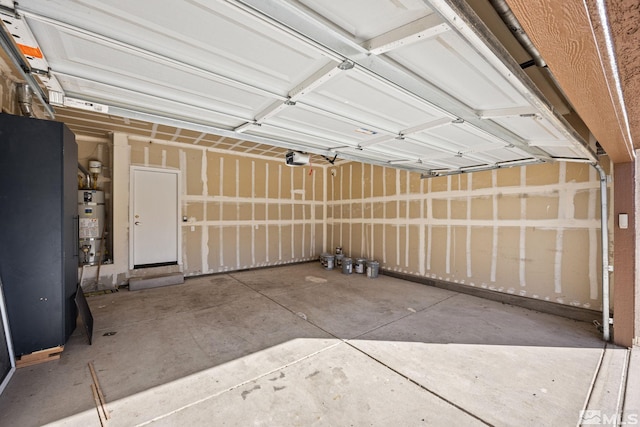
x=138 y=283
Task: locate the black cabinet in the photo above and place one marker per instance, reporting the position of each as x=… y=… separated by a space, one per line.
x=38 y=230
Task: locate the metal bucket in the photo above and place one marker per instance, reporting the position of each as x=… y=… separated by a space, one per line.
x=360 y=265
x=323 y=257
x=347 y=266
x=339 y=258
x=328 y=262
x=372 y=269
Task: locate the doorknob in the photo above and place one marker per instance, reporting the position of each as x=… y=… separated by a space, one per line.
x=137 y=223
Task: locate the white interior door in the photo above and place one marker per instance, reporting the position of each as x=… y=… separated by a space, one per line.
x=154 y=217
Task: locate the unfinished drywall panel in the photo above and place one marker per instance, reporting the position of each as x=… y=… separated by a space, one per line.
x=138 y=152
x=317 y=240
x=214 y=177
x=259 y=183
x=230 y=211
x=457 y=242
x=517 y=230
x=286 y=249
x=439 y=184
x=545 y=174
x=509 y=206
x=378 y=181
x=575 y=172
x=415 y=209
x=540 y=247
x=192 y=248
x=507 y=262
x=509 y=177
x=542 y=207
x=484 y=179
x=480 y=265
x=195 y=162
x=285 y=181
x=242 y=211
x=378 y=210
x=391 y=209
x=458 y=209
x=581 y=202
x=213 y=211
x=440 y=252
x=402 y=209
x=229 y=176
x=229 y=247
x=415 y=183
x=214 y=255
x=575 y=279
x=413 y=248
x=150 y=153
x=390 y=246
x=245 y=211
x=482 y=207
x=440 y=209
x=259 y=212
x=246 y=177
x=391 y=182
x=286 y=211
x=246 y=243
x=194 y=210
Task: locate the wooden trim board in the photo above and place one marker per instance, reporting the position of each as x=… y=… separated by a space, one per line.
x=41 y=356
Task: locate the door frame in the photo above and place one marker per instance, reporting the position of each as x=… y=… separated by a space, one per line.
x=176 y=172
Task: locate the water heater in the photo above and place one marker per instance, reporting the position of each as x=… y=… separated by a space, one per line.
x=91 y=226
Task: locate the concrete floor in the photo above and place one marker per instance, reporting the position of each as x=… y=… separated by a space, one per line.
x=299 y=345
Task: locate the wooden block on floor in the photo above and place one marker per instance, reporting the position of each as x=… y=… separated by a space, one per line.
x=137 y=283
x=41 y=356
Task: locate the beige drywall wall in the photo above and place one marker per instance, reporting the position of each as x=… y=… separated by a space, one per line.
x=531 y=231
x=242 y=211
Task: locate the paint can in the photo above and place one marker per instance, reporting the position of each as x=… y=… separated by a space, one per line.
x=372 y=269
x=339 y=258
x=360 y=265
x=338 y=250
x=347 y=266
x=330 y=262
x=325 y=259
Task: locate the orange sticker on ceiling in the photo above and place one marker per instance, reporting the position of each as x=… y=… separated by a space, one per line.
x=34 y=52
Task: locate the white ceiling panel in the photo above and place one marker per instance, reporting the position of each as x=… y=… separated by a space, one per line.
x=118 y=97
x=361 y=96
x=125 y=68
x=415 y=84
x=215 y=36
x=412 y=149
x=460 y=138
x=449 y=63
x=532 y=128
x=322 y=123
x=311 y=141
x=563 y=152
x=365 y=22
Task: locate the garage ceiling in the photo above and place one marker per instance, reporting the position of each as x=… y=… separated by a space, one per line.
x=418 y=85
